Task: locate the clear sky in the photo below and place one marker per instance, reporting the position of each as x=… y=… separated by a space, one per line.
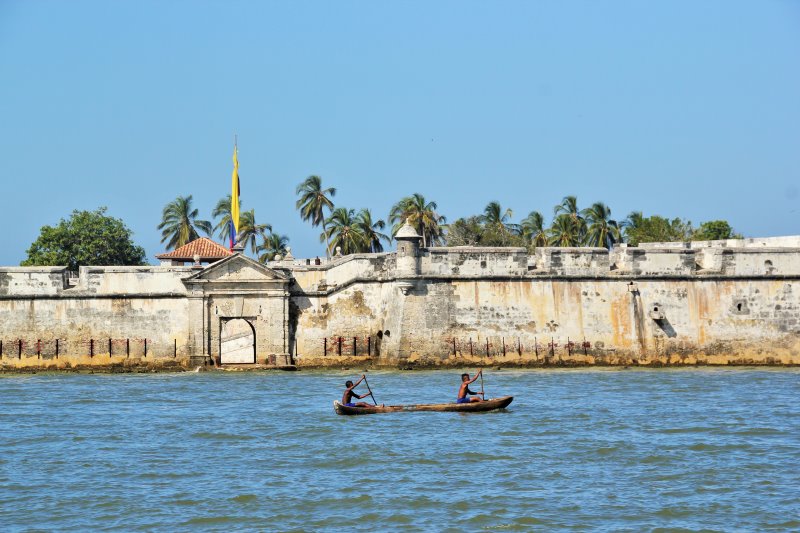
x=678 y=108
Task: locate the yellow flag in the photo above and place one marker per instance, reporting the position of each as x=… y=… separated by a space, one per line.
x=235 y=194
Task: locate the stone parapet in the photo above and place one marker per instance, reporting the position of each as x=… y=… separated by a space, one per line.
x=749 y=261
x=339 y=271
x=474 y=261
x=786 y=241
x=33 y=280
x=653 y=262
x=570 y=261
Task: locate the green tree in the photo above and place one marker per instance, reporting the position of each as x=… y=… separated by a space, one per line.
x=657 y=229
x=371 y=231
x=313 y=202
x=601 y=230
x=422 y=215
x=249 y=230
x=179 y=223
x=498 y=222
x=569 y=207
x=464 y=232
x=473 y=231
x=565 y=231
x=341 y=230
x=87 y=238
x=272 y=245
x=714 y=230
x=533 y=229
x=632 y=225
x=223 y=211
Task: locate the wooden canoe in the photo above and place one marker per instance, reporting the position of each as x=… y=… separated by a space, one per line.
x=472 y=407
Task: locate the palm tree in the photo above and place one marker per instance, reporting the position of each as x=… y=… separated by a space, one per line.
x=422 y=215
x=223 y=212
x=272 y=245
x=601 y=230
x=533 y=229
x=569 y=206
x=313 y=201
x=179 y=223
x=249 y=231
x=495 y=218
x=564 y=231
x=370 y=230
x=632 y=223
x=342 y=230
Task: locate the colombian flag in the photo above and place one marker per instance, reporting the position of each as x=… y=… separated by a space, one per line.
x=235 y=190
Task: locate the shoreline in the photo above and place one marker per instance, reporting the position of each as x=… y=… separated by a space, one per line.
x=177 y=367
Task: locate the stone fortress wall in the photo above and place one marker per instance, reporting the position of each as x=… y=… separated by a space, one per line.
x=669 y=305
x=733 y=302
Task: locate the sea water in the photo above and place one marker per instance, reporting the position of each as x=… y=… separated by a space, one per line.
x=711 y=449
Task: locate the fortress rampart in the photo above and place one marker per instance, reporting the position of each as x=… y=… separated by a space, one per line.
x=701 y=304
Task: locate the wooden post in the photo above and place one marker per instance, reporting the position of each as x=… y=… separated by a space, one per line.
x=19 y=350
x=487 y=346
x=38 y=348
x=56 y=348
x=369 y=346
x=519 y=347
x=339 y=351
x=454 y=345
x=536 y=348
x=109 y=347
x=355 y=345
x=175 y=351
x=91 y=347
x=325 y=345
x=145 y=348
x=470 y=347
x=127 y=347
x=503 y=340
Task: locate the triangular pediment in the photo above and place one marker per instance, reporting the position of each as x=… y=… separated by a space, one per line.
x=237 y=269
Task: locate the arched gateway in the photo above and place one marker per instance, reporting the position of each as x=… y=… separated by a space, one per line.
x=237 y=342
x=238 y=309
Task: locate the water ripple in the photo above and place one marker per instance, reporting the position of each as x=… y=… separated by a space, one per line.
x=589 y=449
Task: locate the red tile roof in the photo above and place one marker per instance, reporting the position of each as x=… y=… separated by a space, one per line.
x=204 y=247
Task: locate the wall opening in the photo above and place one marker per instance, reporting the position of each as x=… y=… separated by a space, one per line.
x=237 y=341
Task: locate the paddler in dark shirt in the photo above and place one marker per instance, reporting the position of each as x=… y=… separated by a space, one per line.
x=464 y=392
x=347 y=397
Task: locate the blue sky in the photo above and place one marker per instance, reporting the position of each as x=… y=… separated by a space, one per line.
x=678 y=108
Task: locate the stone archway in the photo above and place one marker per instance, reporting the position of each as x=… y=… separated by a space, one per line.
x=237 y=341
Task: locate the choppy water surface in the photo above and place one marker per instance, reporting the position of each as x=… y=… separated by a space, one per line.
x=711 y=449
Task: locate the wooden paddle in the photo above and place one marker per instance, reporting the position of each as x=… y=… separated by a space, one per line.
x=482 y=394
x=370 y=390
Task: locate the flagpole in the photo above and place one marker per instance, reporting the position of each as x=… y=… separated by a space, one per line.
x=235 y=195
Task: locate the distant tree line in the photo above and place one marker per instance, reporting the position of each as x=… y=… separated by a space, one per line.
x=93 y=238
x=572 y=226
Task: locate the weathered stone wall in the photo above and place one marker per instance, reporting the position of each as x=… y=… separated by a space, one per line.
x=674 y=305
x=607 y=321
x=155 y=317
x=112 y=316
x=571 y=306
